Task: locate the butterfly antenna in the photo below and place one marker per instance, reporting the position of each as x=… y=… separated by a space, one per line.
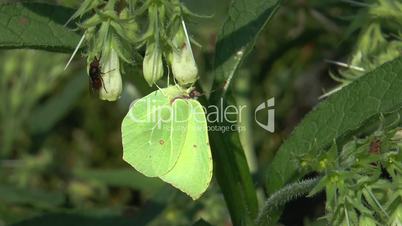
x=212 y=91
x=179 y=87
x=216 y=89
x=160 y=89
x=209 y=93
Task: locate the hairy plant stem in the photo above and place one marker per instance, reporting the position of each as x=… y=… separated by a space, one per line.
x=283 y=196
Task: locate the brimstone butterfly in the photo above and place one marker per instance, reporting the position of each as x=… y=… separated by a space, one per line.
x=165 y=135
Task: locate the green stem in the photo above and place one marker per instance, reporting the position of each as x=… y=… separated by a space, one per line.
x=232 y=172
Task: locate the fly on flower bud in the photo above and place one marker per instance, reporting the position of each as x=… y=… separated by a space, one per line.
x=183 y=64
x=111 y=76
x=152 y=65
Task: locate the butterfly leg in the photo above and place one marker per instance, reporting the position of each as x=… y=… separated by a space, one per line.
x=103 y=84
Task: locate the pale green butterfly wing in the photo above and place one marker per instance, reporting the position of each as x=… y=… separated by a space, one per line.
x=193 y=170
x=153 y=133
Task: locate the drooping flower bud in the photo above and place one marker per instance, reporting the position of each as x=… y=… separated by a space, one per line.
x=152 y=66
x=111 y=77
x=183 y=64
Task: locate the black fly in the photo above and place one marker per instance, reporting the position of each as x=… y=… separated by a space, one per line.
x=95 y=76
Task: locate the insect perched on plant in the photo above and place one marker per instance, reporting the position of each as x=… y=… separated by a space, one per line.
x=193 y=94
x=95 y=76
x=165 y=135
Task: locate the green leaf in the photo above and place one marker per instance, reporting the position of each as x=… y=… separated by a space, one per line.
x=337 y=118
x=237 y=37
x=46 y=115
x=104 y=216
x=12 y=215
x=38 y=198
x=125 y=177
x=245 y=21
x=61 y=219
x=64 y=219
x=36 y=26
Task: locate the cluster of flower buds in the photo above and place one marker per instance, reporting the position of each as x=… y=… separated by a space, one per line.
x=357 y=190
x=112 y=35
x=170 y=44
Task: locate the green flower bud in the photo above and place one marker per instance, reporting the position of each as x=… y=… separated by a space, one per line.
x=183 y=64
x=130 y=27
x=111 y=78
x=152 y=66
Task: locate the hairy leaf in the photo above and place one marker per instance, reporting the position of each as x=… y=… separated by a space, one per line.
x=36 y=26
x=283 y=196
x=337 y=118
x=236 y=39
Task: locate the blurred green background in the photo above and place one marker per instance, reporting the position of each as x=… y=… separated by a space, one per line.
x=60 y=147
